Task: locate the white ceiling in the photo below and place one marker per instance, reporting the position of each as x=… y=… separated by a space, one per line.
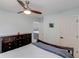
x=46 y=6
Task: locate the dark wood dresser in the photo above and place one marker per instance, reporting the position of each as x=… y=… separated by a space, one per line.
x=15 y=41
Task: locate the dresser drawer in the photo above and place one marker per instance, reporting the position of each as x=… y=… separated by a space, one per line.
x=16 y=41
x=7 y=46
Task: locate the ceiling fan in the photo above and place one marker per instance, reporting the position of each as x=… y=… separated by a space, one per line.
x=26 y=8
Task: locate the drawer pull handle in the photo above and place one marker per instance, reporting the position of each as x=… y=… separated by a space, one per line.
x=9 y=47
x=9 y=43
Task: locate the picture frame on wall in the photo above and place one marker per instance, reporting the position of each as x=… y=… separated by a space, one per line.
x=51 y=25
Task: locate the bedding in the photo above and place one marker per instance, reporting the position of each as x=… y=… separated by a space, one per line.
x=29 y=51
x=53 y=49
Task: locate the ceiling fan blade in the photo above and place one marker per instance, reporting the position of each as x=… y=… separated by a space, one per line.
x=21 y=3
x=20 y=12
x=38 y=12
x=27 y=2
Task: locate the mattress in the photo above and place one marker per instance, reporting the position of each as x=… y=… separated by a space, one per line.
x=29 y=51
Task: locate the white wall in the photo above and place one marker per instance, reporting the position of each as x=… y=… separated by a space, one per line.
x=49 y=32
x=11 y=23
x=72 y=12
x=52 y=35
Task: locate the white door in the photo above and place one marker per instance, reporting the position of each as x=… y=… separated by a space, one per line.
x=68 y=29
x=77 y=43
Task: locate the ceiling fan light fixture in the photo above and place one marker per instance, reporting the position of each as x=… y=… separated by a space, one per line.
x=27 y=12
x=26 y=9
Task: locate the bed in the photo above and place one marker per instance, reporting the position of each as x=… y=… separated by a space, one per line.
x=29 y=51
x=36 y=50
x=20 y=46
